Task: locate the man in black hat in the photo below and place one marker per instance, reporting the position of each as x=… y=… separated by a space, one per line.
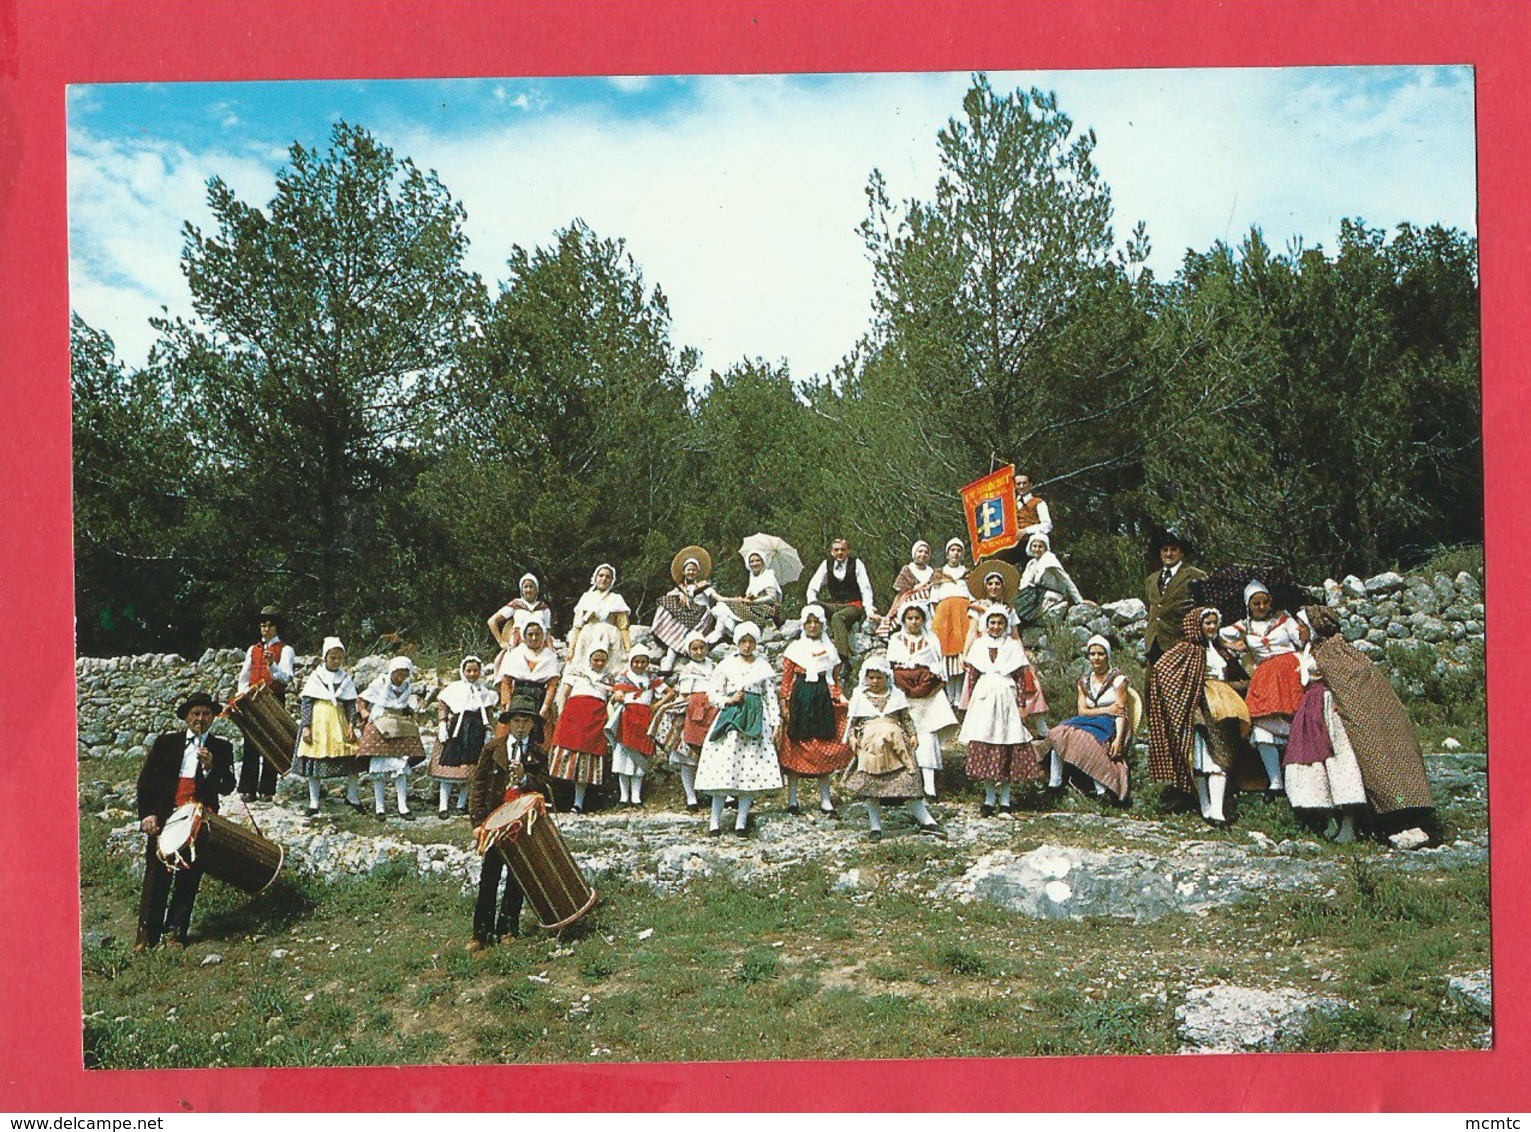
x=502 y=765
x=182 y=766
x=1169 y=594
x=269 y=662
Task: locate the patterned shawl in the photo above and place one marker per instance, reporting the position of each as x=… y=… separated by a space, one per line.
x=1376 y=722
x=1177 y=684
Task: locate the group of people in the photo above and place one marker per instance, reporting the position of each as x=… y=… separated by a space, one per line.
x=1315 y=719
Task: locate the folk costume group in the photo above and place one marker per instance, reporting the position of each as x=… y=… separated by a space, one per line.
x=1276 y=702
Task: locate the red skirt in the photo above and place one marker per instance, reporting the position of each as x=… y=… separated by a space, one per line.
x=582 y=726
x=699 y=716
x=1276 y=688
x=633 y=729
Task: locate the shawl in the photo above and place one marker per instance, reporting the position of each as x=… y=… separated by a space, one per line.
x=463 y=695
x=1176 y=686
x=693 y=675
x=1009 y=659
x=741 y=673
x=1376 y=722
x=588 y=682
x=923 y=651
x=814 y=656
x=600 y=605
x=384 y=693
x=912 y=577
x=322 y=684
x=521 y=663
x=763 y=585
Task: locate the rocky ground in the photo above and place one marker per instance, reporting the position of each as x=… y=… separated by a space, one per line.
x=1070 y=864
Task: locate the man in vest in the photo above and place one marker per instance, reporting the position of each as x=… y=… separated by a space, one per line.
x=1031 y=513
x=269 y=661
x=847 y=595
x=182 y=766
x=1168 y=590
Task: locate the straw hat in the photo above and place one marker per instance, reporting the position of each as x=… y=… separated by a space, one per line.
x=703 y=560
x=982 y=570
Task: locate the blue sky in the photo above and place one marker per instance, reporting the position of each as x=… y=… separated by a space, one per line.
x=740 y=195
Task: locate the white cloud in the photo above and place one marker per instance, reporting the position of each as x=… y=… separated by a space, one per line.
x=744 y=206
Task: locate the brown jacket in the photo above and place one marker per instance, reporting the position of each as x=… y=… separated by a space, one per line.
x=1167 y=609
x=492 y=776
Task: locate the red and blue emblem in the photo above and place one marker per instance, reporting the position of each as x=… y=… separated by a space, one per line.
x=989 y=504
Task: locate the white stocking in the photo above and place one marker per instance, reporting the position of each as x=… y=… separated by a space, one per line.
x=1004 y=794
x=462 y=795
x=353 y=791
x=1217 y=787
x=922 y=812
x=826 y=802
x=401 y=791
x=745 y=801
x=313 y=793
x=791 y=789
x=875 y=815
x=1054 y=769
x=443 y=795
x=1270 y=756
x=988 y=794
x=1202 y=796
x=688 y=781
x=637 y=788
x=929 y=776
x=377 y=794
x=717 y=812
x=625 y=781
x=579 y=794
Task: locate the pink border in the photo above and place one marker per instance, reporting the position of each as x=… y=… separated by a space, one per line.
x=45 y=45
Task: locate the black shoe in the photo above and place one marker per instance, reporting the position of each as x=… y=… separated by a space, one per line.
x=1005 y=810
x=794 y=809
x=741 y=831
x=312 y=811
x=266 y=797
x=875 y=835
x=357 y=806
x=986 y=811
x=933 y=830
x=714 y=832
x=830 y=813
x=576 y=809
x=693 y=807
x=442 y=815
x=380 y=816
x=407 y=815
x=244 y=797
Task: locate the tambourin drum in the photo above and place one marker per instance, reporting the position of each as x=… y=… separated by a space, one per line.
x=266 y=724
x=539 y=859
x=232 y=853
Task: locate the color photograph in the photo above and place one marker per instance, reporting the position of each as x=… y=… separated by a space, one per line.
x=885 y=565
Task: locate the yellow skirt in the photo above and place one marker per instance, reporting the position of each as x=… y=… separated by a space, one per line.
x=1224 y=703
x=329 y=731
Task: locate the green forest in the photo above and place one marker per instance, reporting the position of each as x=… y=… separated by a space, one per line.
x=355 y=427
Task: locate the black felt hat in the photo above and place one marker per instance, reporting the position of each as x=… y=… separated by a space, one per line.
x=195 y=700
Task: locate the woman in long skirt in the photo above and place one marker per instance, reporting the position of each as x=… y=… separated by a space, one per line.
x=999 y=745
x=693 y=604
x=882 y=737
x=1096 y=740
x=528 y=680
x=390 y=738
x=600 y=621
x=1273 y=638
x=327 y=718
x=950 y=598
x=1198 y=723
x=813 y=712
x=1323 y=778
x=761 y=600
x=686 y=715
x=919 y=671
x=1380 y=732
x=465 y=709
x=580 y=747
x=739 y=756
x=628 y=725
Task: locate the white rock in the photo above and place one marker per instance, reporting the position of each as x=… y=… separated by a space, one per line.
x=1355 y=587
x=1409 y=839
x=212 y=960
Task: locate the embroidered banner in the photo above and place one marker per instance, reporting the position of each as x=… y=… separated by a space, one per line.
x=989 y=505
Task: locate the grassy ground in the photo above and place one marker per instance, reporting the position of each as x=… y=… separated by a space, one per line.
x=374 y=970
